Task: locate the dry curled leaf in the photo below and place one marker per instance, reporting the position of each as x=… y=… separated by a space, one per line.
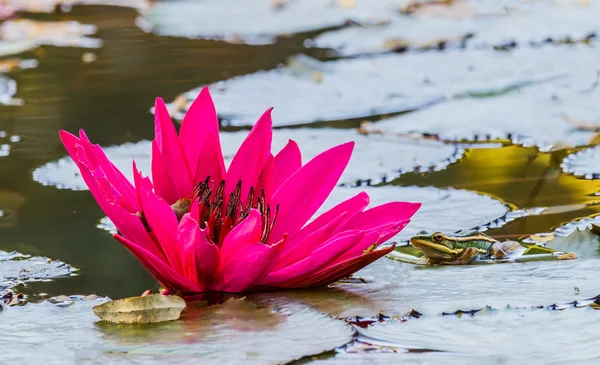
x=147 y=309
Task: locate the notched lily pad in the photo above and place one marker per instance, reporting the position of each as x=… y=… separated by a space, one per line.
x=495 y=24
x=16 y=268
x=152 y=308
x=585 y=163
x=363 y=87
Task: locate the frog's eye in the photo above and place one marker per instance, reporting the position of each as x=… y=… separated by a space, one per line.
x=438 y=237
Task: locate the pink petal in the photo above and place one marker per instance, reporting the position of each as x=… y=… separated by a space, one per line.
x=169 y=148
x=163 y=184
x=376 y=236
x=250 y=159
x=304 y=192
x=199 y=122
x=341 y=270
x=287 y=162
x=351 y=207
x=302 y=247
x=161 y=272
x=265 y=180
x=247 y=267
x=247 y=231
x=319 y=259
x=202 y=257
x=211 y=162
x=383 y=215
x=162 y=221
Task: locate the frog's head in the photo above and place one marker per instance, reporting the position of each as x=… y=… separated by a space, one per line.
x=436 y=246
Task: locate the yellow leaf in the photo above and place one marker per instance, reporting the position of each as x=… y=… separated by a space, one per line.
x=148 y=309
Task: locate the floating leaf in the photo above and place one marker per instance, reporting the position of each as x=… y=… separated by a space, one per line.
x=363 y=87
x=458 y=339
x=259 y=22
x=489 y=23
x=57 y=33
x=585 y=163
x=375 y=158
x=152 y=308
x=16 y=268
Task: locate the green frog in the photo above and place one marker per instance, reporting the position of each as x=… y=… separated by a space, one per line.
x=441 y=249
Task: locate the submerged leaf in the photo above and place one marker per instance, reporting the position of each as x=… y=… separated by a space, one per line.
x=147 y=309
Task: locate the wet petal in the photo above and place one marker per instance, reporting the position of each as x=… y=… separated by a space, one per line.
x=304 y=192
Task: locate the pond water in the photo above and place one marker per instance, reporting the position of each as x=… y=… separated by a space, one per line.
x=488 y=136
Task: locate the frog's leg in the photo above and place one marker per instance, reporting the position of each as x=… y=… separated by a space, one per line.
x=467 y=255
x=500 y=250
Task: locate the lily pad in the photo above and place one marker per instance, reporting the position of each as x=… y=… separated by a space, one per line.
x=458 y=338
x=535 y=115
x=584 y=163
x=56 y=33
x=16 y=268
x=259 y=22
x=49 y=6
x=500 y=24
x=234 y=332
x=8 y=89
x=152 y=308
x=363 y=87
x=375 y=158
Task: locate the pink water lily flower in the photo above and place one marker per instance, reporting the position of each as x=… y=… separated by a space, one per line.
x=197 y=226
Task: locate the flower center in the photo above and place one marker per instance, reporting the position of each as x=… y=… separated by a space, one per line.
x=221 y=215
